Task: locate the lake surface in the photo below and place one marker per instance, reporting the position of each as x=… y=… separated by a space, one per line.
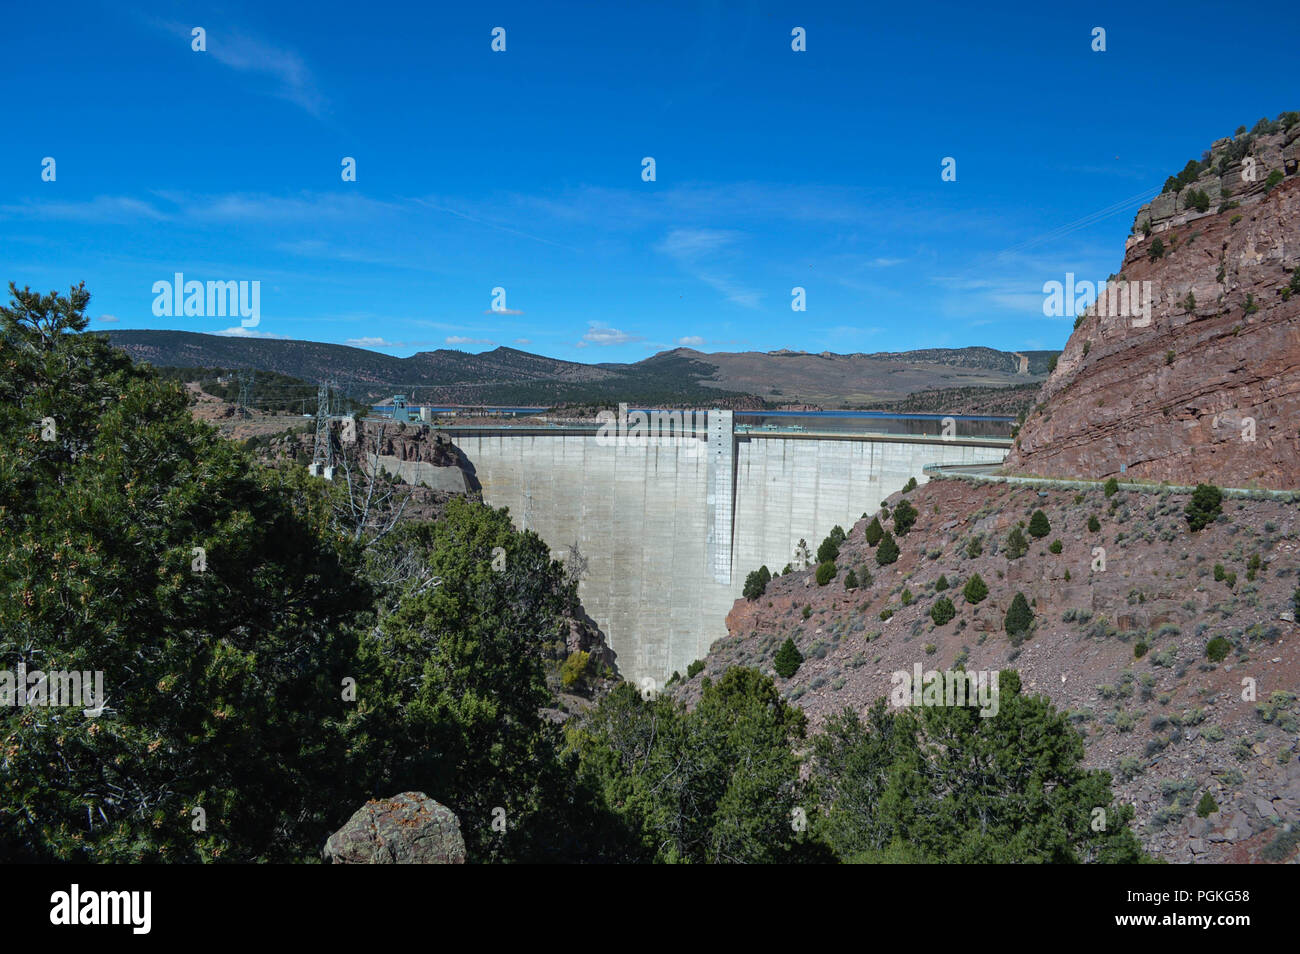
x=875 y=422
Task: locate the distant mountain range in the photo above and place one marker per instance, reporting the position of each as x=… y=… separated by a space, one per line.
x=682 y=376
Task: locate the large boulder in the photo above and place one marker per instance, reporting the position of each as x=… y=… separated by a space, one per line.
x=407 y=829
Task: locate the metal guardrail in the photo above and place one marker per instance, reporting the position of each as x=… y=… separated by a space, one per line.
x=561 y=430
x=987 y=473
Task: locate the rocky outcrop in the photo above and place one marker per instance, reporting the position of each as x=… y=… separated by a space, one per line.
x=1238 y=171
x=408 y=829
x=1187 y=369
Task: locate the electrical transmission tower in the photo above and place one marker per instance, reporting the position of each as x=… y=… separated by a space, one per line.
x=322 y=459
x=246 y=377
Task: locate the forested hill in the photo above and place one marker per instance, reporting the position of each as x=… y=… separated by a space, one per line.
x=681 y=376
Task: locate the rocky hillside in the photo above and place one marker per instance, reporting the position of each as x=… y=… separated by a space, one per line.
x=1124 y=650
x=1206 y=385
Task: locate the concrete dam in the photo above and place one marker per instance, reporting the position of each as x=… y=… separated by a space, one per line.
x=671 y=526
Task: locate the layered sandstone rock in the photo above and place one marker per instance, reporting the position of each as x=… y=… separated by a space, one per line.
x=1206 y=386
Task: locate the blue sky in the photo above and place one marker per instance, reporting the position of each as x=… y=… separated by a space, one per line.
x=523 y=169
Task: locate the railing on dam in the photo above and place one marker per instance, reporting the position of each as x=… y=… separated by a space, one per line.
x=741 y=432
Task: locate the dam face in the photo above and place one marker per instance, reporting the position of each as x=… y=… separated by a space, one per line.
x=671 y=528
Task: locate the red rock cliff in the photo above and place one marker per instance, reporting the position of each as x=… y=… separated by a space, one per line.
x=1208 y=388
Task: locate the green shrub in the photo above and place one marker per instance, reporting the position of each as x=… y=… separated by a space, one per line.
x=1207 y=806
x=807 y=611
x=694 y=669
x=826 y=572
x=574 y=669
x=974 y=548
x=788 y=659
x=1038 y=525
x=1204 y=507
x=874 y=532
x=910 y=485
x=1111 y=487
x=1093 y=523
x=975 y=589
x=1019 y=616
x=887 y=551
x=1057 y=546
x=941 y=584
x=1273 y=179
x=851 y=580
x=1017 y=545
x=904 y=517
x=942 y=611
x=1217 y=649
x=1140 y=649
x=1157 y=249
x=829 y=550
x=755 y=585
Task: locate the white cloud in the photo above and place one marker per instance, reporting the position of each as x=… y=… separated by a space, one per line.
x=103 y=208
x=240 y=332
x=461 y=340
x=691 y=341
x=109 y=319
x=699 y=252
x=603 y=335
x=290 y=77
x=522 y=341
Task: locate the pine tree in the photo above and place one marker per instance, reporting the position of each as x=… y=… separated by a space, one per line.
x=1204 y=507
x=874 y=532
x=788 y=659
x=975 y=589
x=1019 y=616
x=851 y=580
x=904 y=517
x=1017 y=545
x=942 y=611
x=887 y=552
x=1038 y=525
x=941 y=584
